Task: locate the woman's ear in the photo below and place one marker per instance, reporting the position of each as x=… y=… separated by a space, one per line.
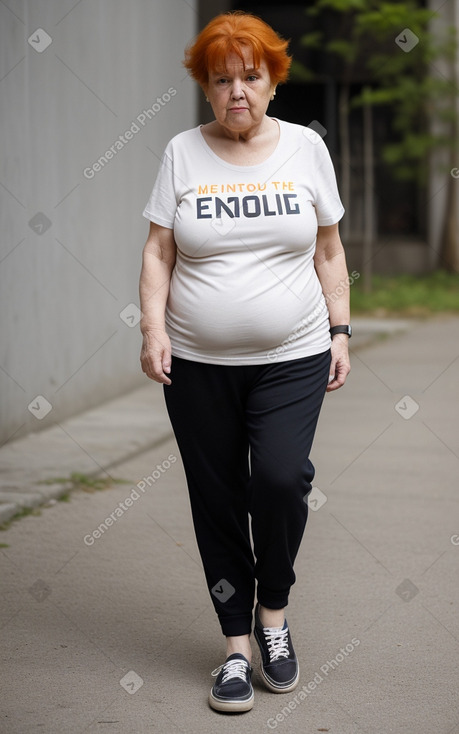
x=273 y=93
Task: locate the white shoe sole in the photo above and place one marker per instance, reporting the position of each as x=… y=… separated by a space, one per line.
x=275 y=689
x=230 y=706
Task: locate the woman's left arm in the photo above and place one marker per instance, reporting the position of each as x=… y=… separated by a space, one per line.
x=330 y=265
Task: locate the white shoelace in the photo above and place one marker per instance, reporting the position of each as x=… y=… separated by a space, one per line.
x=232 y=669
x=277 y=641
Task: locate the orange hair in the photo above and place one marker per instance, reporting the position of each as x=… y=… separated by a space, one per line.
x=235 y=32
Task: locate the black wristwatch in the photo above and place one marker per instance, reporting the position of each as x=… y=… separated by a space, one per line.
x=346 y=329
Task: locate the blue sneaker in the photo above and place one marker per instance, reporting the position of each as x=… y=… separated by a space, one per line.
x=279 y=665
x=232 y=691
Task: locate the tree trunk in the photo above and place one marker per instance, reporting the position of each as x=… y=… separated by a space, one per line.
x=449 y=252
x=368 y=198
x=345 y=182
x=449 y=247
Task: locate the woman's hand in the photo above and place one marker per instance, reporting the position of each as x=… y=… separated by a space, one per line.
x=340 y=365
x=330 y=265
x=158 y=261
x=155 y=355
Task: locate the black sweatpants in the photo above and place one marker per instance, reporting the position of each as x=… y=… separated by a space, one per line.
x=244 y=435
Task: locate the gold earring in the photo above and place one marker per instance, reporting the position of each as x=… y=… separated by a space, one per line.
x=273 y=95
x=207 y=99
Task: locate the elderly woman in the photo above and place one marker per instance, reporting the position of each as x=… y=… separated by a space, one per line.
x=242 y=258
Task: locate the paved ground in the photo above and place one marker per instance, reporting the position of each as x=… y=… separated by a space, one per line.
x=113 y=631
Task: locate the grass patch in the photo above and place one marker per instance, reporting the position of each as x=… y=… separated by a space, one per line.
x=25 y=512
x=84 y=482
x=407 y=295
x=75 y=480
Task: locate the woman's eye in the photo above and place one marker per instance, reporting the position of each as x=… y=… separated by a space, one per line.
x=252 y=78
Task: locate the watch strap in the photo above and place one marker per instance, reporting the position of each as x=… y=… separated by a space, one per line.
x=342 y=329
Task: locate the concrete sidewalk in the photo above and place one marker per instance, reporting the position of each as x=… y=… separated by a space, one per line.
x=97 y=441
x=107 y=626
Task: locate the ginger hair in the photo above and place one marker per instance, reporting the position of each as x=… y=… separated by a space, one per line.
x=235 y=32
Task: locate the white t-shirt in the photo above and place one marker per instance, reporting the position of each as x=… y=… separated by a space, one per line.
x=244 y=289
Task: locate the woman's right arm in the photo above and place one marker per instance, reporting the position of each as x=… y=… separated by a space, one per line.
x=158 y=262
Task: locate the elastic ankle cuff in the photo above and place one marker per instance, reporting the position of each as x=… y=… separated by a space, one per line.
x=236 y=625
x=272 y=599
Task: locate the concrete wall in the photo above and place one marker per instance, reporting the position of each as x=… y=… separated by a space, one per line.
x=75 y=76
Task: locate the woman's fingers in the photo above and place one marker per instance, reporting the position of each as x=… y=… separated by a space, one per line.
x=339 y=366
x=155 y=356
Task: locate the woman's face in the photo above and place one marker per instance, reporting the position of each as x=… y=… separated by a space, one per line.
x=239 y=97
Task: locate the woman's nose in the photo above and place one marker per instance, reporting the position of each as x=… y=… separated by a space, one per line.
x=237 y=91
